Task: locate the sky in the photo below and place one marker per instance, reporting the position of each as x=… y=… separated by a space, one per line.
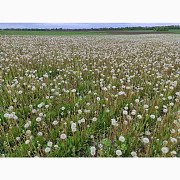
x=78 y=25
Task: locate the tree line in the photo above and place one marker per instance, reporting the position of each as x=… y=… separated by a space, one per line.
x=155 y=28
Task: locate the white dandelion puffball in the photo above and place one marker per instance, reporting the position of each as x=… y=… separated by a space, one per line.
x=63 y=136
x=113 y=121
x=27 y=142
x=73 y=90
x=173 y=140
x=55 y=122
x=40 y=134
x=63 y=108
x=74 y=129
x=139 y=116
x=98 y=98
x=133 y=153
x=173 y=152
x=49 y=144
x=38 y=119
x=121 y=138
x=93 y=150
x=47 y=149
x=125 y=112
x=46 y=106
x=28 y=132
x=165 y=150
x=17 y=138
x=146 y=106
x=80 y=111
x=94 y=119
x=152 y=116
x=137 y=100
x=118 y=152
x=73 y=125
x=145 y=140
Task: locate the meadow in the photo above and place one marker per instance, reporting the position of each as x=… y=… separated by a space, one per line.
x=85 y=33
x=90 y=96
x=48 y=33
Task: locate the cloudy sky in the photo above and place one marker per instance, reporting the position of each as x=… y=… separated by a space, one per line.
x=77 y=25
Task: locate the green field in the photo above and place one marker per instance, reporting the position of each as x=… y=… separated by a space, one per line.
x=63 y=33
x=93 y=96
x=46 y=33
x=176 y=31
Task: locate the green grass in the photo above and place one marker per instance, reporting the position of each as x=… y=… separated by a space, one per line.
x=60 y=33
x=99 y=96
x=176 y=31
x=46 y=33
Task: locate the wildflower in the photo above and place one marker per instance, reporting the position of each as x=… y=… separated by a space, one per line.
x=28 y=132
x=46 y=106
x=145 y=140
x=40 y=134
x=94 y=119
x=73 y=90
x=139 y=116
x=121 y=138
x=137 y=100
x=27 y=142
x=63 y=136
x=147 y=133
x=125 y=112
x=73 y=125
x=49 y=144
x=133 y=112
x=79 y=111
x=47 y=149
x=26 y=125
x=7 y=115
x=173 y=152
x=63 y=108
x=19 y=92
x=93 y=150
x=17 y=138
x=133 y=154
x=113 y=122
x=40 y=114
x=83 y=120
x=146 y=106
x=152 y=116
x=73 y=129
x=169 y=97
x=55 y=122
x=38 y=119
x=173 y=131
x=34 y=111
x=118 y=152
x=165 y=150
x=173 y=140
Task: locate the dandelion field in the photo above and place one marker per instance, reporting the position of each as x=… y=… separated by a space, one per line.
x=90 y=96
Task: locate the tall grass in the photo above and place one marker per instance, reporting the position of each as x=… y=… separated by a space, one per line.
x=89 y=96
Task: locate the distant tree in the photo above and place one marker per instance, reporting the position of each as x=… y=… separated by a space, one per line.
x=161 y=28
